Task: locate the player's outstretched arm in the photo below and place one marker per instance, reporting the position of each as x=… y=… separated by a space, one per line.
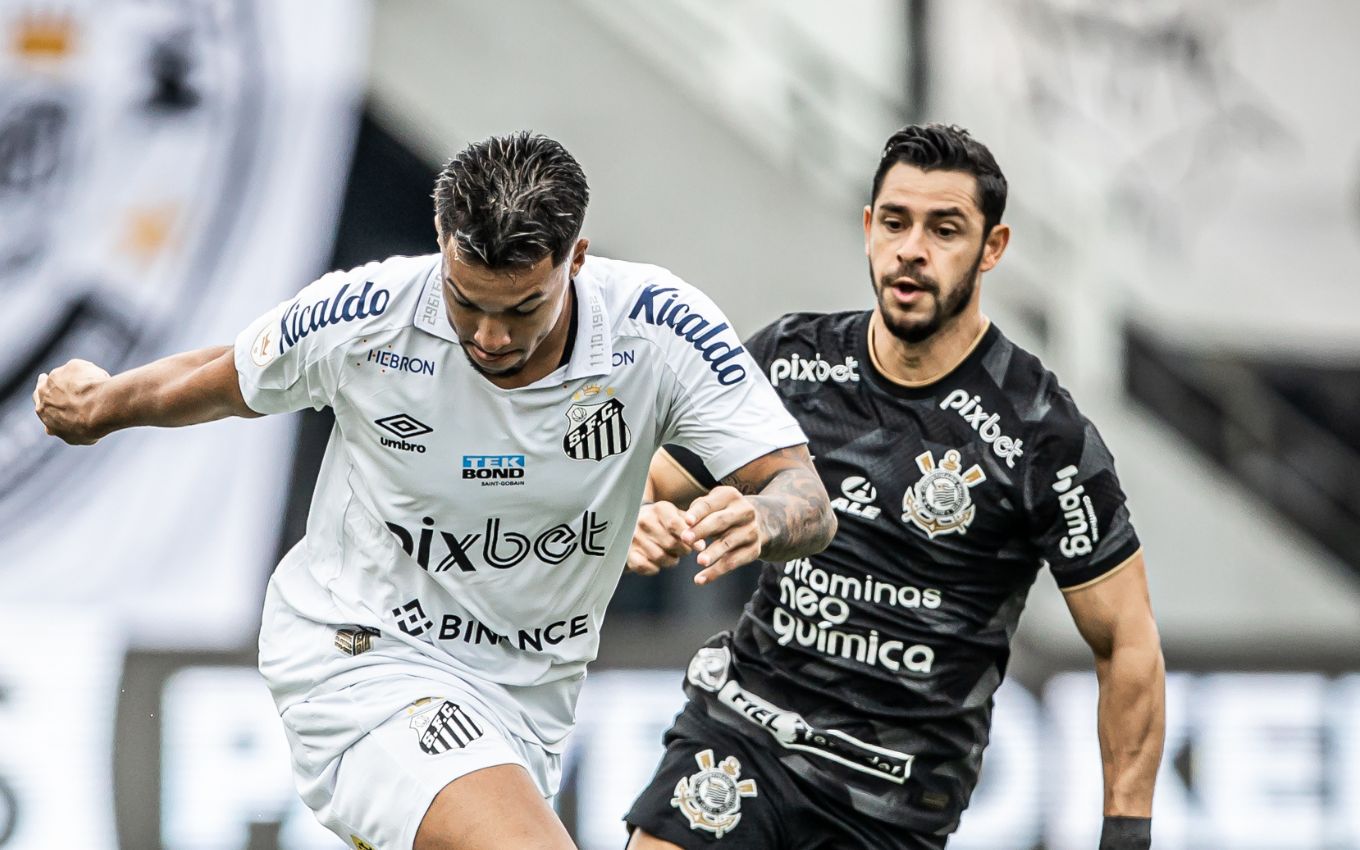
x=81 y=403
x=774 y=508
x=1115 y=617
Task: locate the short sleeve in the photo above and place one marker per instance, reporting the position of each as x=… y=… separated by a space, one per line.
x=288 y=358
x=722 y=407
x=1078 y=517
x=760 y=346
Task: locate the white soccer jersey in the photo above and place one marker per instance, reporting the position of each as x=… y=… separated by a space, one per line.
x=485 y=529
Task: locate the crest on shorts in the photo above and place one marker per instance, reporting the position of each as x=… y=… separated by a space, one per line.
x=597 y=430
x=708 y=669
x=711 y=799
x=442 y=726
x=360 y=844
x=940 y=502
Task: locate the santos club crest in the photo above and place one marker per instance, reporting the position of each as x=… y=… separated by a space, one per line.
x=596 y=431
x=940 y=503
x=442 y=726
x=711 y=798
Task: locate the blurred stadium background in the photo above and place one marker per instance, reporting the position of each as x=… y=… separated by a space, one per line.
x=1185 y=193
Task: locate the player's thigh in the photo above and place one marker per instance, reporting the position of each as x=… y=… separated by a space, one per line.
x=496 y=808
x=715 y=789
x=431 y=763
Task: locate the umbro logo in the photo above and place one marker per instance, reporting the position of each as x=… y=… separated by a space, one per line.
x=404 y=427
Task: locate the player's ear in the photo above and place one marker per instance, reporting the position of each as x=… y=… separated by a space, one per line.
x=995 y=246
x=578 y=255
x=868 y=221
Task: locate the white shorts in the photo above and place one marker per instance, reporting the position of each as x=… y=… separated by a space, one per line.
x=376 y=793
x=374 y=736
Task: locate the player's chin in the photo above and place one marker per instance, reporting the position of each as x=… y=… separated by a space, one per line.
x=910 y=326
x=497 y=370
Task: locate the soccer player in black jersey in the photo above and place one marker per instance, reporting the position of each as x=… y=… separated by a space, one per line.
x=851 y=705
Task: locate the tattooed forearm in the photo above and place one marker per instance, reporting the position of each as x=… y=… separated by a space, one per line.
x=792 y=507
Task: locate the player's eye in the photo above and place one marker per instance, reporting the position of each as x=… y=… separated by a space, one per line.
x=528 y=311
x=947 y=231
x=892 y=224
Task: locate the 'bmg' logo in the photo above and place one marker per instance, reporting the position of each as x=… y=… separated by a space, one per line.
x=493 y=467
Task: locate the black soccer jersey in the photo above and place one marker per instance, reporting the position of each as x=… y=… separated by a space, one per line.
x=872 y=665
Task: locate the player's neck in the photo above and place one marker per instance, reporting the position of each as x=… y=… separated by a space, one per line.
x=923 y=363
x=550 y=353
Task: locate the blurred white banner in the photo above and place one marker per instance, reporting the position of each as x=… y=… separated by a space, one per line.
x=168 y=171
x=1254 y=761
x=1194 y=163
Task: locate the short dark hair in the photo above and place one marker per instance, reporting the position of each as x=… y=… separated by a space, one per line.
x=947 y=147
x=509 y=201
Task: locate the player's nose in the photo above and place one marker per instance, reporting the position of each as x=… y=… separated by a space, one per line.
x=491 y=336
x=911 y=247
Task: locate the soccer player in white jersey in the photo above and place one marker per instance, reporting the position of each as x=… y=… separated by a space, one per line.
x=497 y=405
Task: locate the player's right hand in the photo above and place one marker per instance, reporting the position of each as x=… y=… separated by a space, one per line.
x=64 y=401
x=656 y=539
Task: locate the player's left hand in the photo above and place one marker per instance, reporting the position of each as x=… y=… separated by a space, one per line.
x=725 y=530
x=656 y=541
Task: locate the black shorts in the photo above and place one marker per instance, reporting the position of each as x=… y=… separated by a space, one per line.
x=715 y=788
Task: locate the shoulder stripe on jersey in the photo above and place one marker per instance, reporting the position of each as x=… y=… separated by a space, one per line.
x=1098 y=579
x=680 y=468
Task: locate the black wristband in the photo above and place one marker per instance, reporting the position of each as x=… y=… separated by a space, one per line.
x=1124 y=833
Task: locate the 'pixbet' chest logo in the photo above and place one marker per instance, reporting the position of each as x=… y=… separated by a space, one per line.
x=940 y=503
x=815 y=370
x=711 y=799
x=498 y=545
x=693 y=327
x=1078 y=513
x=988 y=425
x=857 y=499
x=299 y=320
x=595 y=431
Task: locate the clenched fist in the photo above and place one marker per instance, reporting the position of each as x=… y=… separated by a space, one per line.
x=722 y=526
x=657 y=542
x=64 y=401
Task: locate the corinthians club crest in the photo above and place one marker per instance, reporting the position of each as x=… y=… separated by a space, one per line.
x=940 y=503
x=598 y=430
x=711 y=798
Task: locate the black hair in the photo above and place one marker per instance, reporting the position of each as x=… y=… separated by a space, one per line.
x=947 y=147
x=509 y=201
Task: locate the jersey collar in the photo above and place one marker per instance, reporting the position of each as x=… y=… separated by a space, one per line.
x=592 y=354
x=430 y=315
x=970 y=360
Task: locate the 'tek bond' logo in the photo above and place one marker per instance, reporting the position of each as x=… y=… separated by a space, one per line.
x=504 y=470
x=693 y=327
